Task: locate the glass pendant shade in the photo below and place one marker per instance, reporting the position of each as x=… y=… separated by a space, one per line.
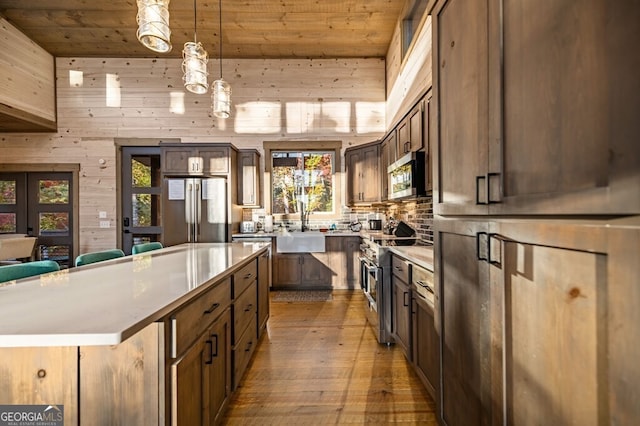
x=153 y=25
x=194 y=66
x=221 y=99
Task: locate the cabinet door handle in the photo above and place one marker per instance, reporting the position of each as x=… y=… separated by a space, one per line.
x=478 y=191
x=404 y=298
x=214 y=354
x=248 y=275
x=212 y=308
x=249 y=346
x=480 y=253
x=249 y=306
x=407 y=146
x=209 y=352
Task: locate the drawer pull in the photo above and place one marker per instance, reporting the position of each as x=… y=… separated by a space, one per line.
x=248 y=275
x=249 y=346
x=249 y=307
x=212 y=308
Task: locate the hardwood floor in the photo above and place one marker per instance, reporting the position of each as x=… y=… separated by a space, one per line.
x=320 y=363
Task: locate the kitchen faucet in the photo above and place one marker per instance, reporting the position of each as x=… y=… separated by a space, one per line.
x=304 y=218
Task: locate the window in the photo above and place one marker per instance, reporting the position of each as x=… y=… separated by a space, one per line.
x=303 y=176
x=411 y=23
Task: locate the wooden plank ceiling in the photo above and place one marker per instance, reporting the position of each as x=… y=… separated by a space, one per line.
x=250 y=28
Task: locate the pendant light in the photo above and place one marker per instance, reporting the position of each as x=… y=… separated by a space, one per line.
x=194 y=63
x=221 y=96
x=153 y=25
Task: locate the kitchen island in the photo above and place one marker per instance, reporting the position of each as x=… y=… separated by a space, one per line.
x=115 y=342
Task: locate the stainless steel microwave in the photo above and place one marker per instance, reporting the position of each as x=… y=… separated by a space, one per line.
x=407 y=176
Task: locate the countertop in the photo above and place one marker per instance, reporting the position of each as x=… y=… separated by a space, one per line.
x=107 y=302
x=420 y=255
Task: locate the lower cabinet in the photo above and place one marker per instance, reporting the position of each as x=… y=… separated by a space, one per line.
x=301 y=270
x=264 y=284
x=201 y=377
x=426 y=344
x=245 y=319
x=401 y=304
x=537 y=320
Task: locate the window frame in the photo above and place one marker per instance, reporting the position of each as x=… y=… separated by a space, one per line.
x=305 y=146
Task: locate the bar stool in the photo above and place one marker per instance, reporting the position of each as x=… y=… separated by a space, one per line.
x=29 y=269
x=141 y=248
x=98 y=256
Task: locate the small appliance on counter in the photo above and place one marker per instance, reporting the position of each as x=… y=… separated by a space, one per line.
x=375 y=224
x=247 y=227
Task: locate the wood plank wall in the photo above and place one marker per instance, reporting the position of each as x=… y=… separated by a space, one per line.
x=102 y=99
x=408 y=79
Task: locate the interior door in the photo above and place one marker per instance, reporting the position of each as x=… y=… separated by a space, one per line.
x=141 y=191
x=40 y=204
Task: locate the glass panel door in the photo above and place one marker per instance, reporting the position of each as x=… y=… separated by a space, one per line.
x=13 y=206
x=50 y=215
x=141 y=191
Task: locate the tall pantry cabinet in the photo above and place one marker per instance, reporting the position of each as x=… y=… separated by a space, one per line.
x=536 y=198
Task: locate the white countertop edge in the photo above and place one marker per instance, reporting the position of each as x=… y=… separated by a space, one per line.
x=58 y=340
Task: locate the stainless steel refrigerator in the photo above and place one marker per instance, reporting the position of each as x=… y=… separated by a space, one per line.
x=194 y=210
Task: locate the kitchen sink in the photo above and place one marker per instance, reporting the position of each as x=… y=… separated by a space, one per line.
x=300 y=242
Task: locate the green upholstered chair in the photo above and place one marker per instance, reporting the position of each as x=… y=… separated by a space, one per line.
x=98 y=256
x=141 y=248
x=28 y=269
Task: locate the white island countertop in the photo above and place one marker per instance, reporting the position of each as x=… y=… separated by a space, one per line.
x=105 y=303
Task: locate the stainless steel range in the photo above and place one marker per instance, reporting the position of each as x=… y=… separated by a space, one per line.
x=375 y=280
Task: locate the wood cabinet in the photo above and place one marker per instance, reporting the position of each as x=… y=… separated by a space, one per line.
x=401 y=304
x=201 y=379
x=338 y=267
x=245 y=319
x=531 y=127
x=208 y=159
x=387 y=156
x=264 y=286
x=410 y=137
x=425 y=343
x=462 y=301
x=249 y=182
x=301 y=270
x=363 y=174
x=521 y=305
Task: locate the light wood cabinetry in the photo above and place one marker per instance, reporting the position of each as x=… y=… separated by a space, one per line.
x=205 y=159
x=535 y=133
x=363 y=174
x=249 y=182
x=401 y=301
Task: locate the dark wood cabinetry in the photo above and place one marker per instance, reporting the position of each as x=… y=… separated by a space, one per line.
x=249 y=182
x=363 y=174
x=425 y=343
x=264 y=284
x=524 y=125
x=244 y=337
x=410 y=137
x=301 y=270
x=185 y=159
x=401 y=309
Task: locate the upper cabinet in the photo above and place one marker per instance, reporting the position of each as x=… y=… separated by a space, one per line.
x=363 y=174
x=196 y=159
x=533 y=107
x=409 y=131
x=249 y=187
